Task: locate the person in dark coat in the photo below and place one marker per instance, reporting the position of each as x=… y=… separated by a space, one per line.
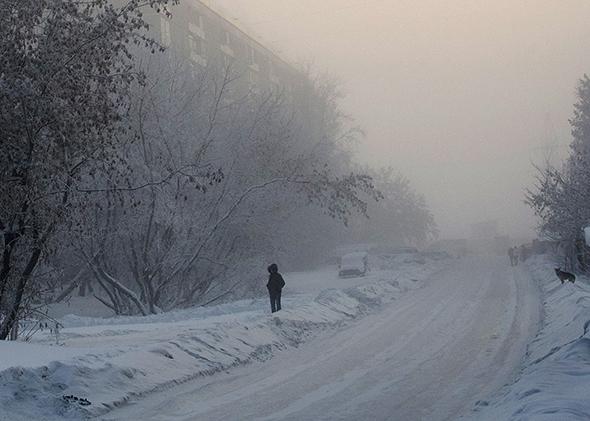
x=275 y=286
x=522 y=254
x=512 y=255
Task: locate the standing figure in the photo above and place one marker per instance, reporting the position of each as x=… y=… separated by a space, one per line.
x=523 y=253
x=511 y=256
x=275 y=286
x=515 y=255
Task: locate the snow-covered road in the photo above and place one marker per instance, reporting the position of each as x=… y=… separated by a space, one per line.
x=431 y=354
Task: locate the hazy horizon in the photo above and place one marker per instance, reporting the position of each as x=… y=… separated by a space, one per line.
x=460 y=96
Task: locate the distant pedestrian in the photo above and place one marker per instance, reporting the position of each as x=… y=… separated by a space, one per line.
x=275 y=286
x=511 y=255
x=523 y=253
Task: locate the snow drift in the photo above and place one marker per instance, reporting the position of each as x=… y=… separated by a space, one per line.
x=555 y=381
x=109 y=361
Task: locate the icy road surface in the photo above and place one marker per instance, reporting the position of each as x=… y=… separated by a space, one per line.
x=431 y=355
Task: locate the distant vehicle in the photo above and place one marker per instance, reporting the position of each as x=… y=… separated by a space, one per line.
x=393 y=250
x=354 y=264
x=436 y=255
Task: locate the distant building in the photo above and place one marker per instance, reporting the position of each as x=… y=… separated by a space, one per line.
x=484 y=230
x=199 y=32
x=486 y=238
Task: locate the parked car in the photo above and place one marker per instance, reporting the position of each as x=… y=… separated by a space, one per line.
x=354 y=264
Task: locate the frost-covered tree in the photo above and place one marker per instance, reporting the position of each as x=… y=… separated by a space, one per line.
x=401 y=217
x=65 y=73
x=222 y=174
x=561 y=196
x=160 y=186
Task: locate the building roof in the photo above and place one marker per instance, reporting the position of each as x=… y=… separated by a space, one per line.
x=231 y=12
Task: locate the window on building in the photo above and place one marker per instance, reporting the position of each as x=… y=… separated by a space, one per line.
x=166 y=37
x=195 y=23
x=227 y=49
x=252 y=56
x=197 y=19
x=227 y=61
x=253 y=79
x=196 y=46
x=272 y=71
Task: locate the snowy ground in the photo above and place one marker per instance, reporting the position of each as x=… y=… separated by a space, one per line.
x=446 y=340
x=432 y=354
x=555 y=381
x=110 y=361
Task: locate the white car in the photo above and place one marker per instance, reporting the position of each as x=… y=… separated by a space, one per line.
x=354 y=264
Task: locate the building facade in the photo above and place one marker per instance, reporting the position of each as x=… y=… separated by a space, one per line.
x=199 y=32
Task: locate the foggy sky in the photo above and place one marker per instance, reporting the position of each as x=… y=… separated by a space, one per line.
x=459 y=95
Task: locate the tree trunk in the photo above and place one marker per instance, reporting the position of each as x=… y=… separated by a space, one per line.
x=82 y=289
x=9 y=243
x=12 y=316
x=120 y=288
x=14 y=332
x=75 y=282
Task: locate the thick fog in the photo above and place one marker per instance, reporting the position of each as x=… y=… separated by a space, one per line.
x=459 y=95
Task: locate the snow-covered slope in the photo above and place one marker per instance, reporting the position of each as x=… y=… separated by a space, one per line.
x=109 y=361
x=555 y=381
x=428 y=356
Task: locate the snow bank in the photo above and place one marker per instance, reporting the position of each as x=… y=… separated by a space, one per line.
x=555 y=381
x=111 y=361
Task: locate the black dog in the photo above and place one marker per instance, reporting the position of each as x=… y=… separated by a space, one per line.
x=565 y=276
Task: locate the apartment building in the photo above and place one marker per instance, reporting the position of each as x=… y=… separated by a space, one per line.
x=199 y=31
